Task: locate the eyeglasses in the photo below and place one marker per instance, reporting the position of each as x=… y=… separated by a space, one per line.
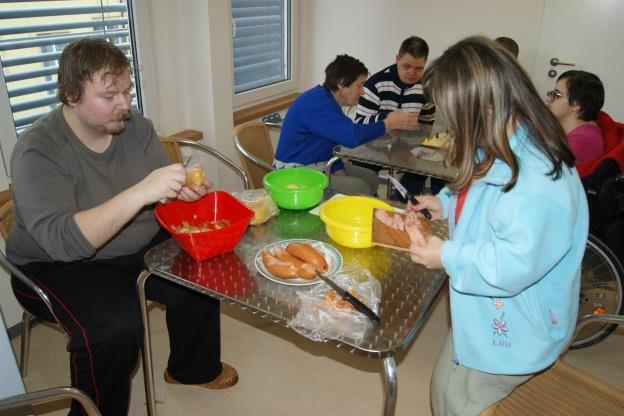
x=554 y=94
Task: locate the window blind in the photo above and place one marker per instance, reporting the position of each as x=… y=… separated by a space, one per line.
x=261 y=43
x=32 y=37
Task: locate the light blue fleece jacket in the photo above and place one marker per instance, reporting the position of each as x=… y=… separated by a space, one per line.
x=514 y=264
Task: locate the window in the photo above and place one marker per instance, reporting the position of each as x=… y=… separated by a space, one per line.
x=262 y=39
x=32 y=37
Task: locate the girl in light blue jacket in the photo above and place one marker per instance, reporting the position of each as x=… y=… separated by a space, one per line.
x=518 y=225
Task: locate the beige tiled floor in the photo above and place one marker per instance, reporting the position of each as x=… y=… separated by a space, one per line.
x=282 y=373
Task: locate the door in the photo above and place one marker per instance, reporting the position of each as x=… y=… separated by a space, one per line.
x=588 y=33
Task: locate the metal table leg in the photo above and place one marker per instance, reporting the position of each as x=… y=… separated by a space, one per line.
x=389 y=187
x=148 y=370
x=390 y=386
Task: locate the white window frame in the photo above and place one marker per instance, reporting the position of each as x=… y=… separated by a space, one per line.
x=143 y=46
x=246 y=98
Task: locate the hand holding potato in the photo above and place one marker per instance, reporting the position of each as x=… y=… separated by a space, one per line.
x=196 y=184
x=161 y=184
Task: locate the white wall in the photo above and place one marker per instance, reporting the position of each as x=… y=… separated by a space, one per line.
x=372 y=31
x=191 y=42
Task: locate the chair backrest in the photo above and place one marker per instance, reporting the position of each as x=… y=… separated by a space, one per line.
x=613 y=134
x=255 y=150
x=189 y=138
x=7 y=220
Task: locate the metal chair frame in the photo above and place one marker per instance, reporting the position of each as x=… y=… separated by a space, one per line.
x=22 y=401
x=246 y=156
x=218 y=155
x=27 y=316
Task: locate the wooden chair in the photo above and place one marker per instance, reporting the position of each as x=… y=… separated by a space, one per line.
x=563 y=390
x=255 y=150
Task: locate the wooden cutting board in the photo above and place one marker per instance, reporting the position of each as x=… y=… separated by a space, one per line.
x=387 y=236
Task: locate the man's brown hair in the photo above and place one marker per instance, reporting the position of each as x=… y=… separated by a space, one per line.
x=415 y=46
x=81 y=59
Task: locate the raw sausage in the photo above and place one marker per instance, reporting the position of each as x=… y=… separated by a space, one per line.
x=277 y=267
x=302 y=271
x=308 y=254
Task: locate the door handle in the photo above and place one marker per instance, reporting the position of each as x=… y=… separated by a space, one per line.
x=556 y=61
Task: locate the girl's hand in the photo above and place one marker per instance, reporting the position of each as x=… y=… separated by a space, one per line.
x=430 y=202
x=429 y=254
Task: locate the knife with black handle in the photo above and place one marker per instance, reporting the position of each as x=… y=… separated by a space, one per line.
x=408 y=195
x=423 y=211
x=357 y=304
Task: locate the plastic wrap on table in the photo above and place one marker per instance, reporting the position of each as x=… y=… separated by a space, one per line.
x=259 y=201
x=324 y=315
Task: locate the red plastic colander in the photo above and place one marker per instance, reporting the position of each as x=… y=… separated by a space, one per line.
x=214 y=206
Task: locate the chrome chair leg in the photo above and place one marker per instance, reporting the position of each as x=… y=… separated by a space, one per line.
x=148 y=369
x=25 y=343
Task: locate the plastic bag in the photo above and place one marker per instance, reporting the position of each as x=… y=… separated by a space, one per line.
x=259 y=201
x=324 y=315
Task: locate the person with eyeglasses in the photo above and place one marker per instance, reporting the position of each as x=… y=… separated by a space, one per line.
x=576 y=101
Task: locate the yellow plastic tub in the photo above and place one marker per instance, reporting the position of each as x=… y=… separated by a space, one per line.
x=349 y=219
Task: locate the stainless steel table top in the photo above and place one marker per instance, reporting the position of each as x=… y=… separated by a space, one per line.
x=394 y=151
x=408 y=289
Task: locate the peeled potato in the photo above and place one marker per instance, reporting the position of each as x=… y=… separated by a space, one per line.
x=195 y=176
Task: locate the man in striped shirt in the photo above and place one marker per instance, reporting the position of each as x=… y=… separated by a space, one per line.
x=398 y=87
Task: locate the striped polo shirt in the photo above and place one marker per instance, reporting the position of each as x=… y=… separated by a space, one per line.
x=384 y=92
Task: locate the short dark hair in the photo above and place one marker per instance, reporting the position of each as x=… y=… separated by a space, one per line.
x=343 y=70
x=509 y=44
x=586 y=90
x=415 y=46
x=81 y=59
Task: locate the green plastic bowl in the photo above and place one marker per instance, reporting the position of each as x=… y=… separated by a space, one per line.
x=296 y=188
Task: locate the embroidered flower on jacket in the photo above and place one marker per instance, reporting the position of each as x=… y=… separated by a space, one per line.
x=500 y=326
x=497 y=303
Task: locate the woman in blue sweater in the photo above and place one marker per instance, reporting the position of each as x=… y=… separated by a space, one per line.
x=518 y=224
x=315 y=123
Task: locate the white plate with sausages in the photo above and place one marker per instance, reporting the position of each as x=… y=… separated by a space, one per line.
x=331 y=255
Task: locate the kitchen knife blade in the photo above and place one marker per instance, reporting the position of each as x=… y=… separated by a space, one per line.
x=407 y=195
x=357 y=304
